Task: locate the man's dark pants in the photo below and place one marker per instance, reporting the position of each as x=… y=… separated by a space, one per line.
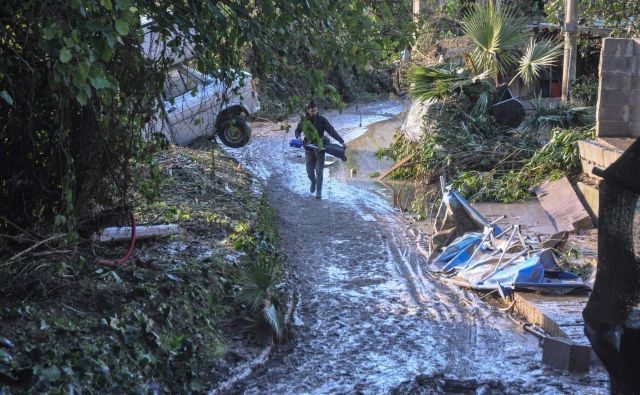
x=315 y=167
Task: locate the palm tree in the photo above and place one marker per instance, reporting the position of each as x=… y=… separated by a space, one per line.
x=500 y=42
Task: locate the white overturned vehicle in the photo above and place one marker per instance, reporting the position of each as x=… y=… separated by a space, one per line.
x=199 y=105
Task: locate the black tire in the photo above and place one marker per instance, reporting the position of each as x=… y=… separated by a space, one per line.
x=234 y=132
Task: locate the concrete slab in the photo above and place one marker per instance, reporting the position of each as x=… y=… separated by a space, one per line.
x=564 y=207
x=590 y=197
x=599 y=153
x=619 y=143
x=563 y=354
x=532 y=218
x=560 y=316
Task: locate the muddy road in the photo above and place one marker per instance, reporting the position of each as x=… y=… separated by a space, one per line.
x=368 y=316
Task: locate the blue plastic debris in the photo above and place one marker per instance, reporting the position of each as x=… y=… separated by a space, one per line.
x=487 y=262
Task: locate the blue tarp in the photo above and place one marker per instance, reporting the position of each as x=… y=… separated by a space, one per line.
x=476 y=260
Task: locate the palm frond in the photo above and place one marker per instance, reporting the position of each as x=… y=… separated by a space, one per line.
x=435 y=83
x=497 y=34
x=273 y=318
x=481 y=106
x=549 y=115
x=537 y=55
x=257 y=280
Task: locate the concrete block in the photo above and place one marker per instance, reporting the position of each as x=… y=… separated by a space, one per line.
x=616 y=113
x=564 y=207
x=619 y=81
x=563 y=354
x=587 y=167
x=590 y=155
x=634 y=129
x=625 y=65
x=617 y=47
x=609 y=156
x=616 y=143
x=615 y=97
x=590 y=150
x=606 y=128
x=590 y=196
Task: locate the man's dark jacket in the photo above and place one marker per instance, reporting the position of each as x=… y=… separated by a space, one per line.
x=322 y=125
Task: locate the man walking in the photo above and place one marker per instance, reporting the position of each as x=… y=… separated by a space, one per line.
x=314 y=125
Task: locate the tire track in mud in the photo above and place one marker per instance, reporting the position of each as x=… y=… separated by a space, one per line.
x=369 y=315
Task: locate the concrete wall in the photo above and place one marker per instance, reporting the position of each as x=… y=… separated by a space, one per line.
x=619 y=94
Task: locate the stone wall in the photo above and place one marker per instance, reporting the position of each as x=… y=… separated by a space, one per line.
x=619 y=94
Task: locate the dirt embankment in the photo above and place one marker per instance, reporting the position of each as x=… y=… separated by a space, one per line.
x=172 y=319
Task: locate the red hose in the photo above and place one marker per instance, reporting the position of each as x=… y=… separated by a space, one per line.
x=132 y=244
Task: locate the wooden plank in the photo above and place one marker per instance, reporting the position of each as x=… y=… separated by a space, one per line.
x=564 y=207
x=395 y=166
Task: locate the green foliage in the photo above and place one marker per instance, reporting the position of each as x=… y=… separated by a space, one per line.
x=585 y=89
x=458 y=133
x=536 y=56
x=619 y=14
x=311 y=135
x=160 y=322
x=330 y=50
x=499 y=42
x=546 y=115
x=497 y=34
x=442 y=84
x=381 y=153
x=454 y=9
x=559 y=156
x=76 y=89
x=261 y=277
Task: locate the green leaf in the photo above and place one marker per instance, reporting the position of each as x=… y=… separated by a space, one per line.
x=82 y=98
x=122 y=27
x=50 y=31
x=6 y=97
x=65 y=55
x=99 y=81
x=106 y=53
x=107 y=4
x=111 y=39
x=123 y=4
x=51 y=374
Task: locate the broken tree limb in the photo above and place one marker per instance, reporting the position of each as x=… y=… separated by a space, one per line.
x=142 y=232
x=33 y=247
x=395 y=166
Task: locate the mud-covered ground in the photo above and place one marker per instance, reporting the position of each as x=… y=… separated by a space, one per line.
x=368 y=317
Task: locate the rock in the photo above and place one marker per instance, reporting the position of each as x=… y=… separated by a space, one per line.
x=413 y=125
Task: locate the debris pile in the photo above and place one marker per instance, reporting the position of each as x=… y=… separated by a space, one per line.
x=474 y=253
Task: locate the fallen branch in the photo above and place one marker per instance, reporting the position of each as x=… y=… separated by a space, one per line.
x=33 y=247
x=395 y=166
